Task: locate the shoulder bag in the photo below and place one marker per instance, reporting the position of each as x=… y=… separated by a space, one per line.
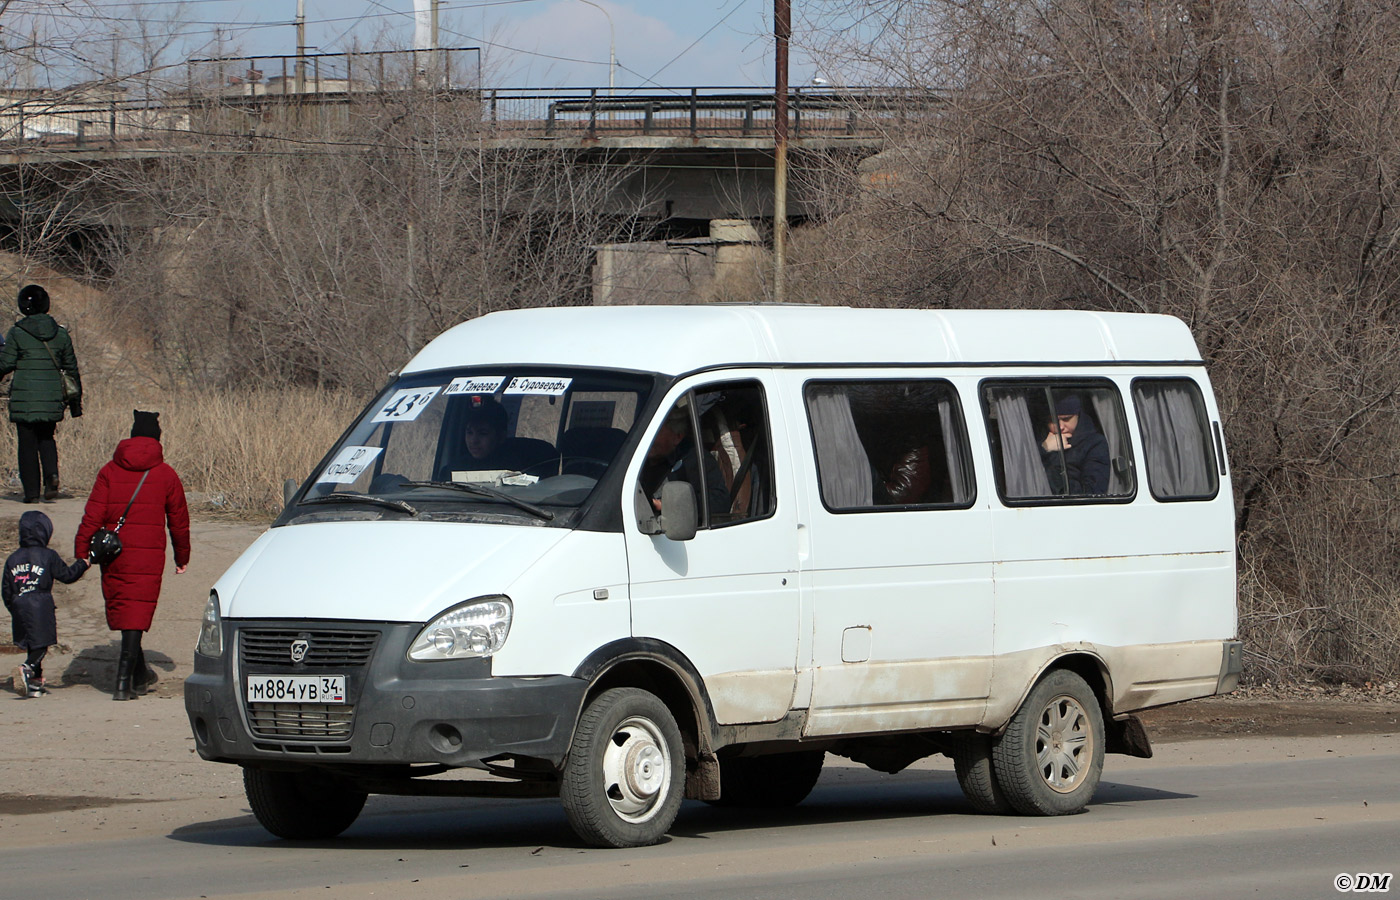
x=105 y=545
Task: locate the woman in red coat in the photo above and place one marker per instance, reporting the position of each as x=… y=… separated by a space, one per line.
x=131 y=582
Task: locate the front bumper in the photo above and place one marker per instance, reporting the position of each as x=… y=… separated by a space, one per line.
x=397 y=711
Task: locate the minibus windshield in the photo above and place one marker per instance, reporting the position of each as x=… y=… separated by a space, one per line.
x=513 y=440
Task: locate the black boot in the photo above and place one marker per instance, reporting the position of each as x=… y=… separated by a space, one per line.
x=131 y=652
x=141 y=674
x=124 y=665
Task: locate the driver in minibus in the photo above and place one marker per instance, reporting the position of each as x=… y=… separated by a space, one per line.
x=487 y=446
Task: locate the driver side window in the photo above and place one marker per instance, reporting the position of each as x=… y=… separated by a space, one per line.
x=717 y=440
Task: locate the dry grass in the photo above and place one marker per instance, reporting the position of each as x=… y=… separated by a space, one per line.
x=232 y=449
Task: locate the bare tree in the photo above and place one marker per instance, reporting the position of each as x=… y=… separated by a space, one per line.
x=327 y=243
x=1230 y=162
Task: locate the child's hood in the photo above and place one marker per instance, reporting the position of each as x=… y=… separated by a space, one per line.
x=35 y=529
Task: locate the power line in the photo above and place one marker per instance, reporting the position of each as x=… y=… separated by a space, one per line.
x=650 y=79
x=388 y=13
x=235 y=28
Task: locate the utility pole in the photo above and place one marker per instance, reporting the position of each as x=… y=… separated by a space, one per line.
x=612 y=44
x=425 y=39
x=782 y=32
x=301 y=48
x=439 y=70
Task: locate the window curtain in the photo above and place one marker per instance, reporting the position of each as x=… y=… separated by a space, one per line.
x=1020 y=451
x=1119 y=477
x=1179 y=461
x=846 y=479
x=958 y=473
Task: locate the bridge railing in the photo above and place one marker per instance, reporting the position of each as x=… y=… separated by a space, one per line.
x=268 y=105
x=343 y=74
x=211 y=96
x=59 y=121
x=700 y=111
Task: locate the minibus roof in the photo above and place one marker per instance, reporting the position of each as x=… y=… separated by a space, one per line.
x=677 y=339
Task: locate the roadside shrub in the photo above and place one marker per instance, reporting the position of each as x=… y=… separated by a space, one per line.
x=233 y=449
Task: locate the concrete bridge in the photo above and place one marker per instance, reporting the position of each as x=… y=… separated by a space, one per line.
x=701 y=152
x=693 y=154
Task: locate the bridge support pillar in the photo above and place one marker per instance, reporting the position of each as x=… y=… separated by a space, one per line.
x=730 y=264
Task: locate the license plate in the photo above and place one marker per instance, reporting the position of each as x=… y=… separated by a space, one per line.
x=296 y=688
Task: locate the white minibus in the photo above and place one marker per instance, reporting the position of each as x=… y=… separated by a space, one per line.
x=629 y=555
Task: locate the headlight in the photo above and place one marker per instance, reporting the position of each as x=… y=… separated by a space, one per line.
x=211 y=631
x=478 y=628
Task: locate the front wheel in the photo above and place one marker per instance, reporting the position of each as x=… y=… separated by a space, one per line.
x=302 y=806
x=624 y=779
x=1049 y=759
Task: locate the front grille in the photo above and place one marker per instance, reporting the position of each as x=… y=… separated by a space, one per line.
x=330 y=722
x=269 y=650
x=327 y=649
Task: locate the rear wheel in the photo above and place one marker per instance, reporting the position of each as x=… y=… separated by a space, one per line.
x=775 y=781
x=625 y=776
x=1049 y=759
x=300 y=806
x=972 y=761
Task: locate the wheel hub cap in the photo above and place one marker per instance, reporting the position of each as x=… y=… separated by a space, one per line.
x=636 y=769
x=644 y=767
x=1064 y=744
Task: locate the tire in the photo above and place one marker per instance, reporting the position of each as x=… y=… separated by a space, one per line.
x=624 y=779
x=777 y=781
x=302 y=806
x=972 y=761
x=1049 y=759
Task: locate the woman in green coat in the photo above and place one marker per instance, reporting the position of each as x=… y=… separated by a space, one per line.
x=38 y=350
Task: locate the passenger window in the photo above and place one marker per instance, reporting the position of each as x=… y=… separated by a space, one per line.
x=717 y=439
x=882 y=444
x=1175 y=439
x=1059 y=440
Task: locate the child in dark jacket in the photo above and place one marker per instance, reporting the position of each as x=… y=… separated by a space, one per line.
x=28 y=593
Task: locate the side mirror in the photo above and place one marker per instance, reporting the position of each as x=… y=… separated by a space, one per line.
x=678 y=518
x=289 y=490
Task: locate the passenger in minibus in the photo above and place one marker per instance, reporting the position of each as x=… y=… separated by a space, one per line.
x=909 y=478
x=672 y=457
x=907 y=471
x=1075 y=453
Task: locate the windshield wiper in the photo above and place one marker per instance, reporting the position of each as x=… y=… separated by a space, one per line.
x=482 y=491
x=350 y=496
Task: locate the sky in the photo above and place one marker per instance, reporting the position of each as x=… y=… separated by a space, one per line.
x=525 y=43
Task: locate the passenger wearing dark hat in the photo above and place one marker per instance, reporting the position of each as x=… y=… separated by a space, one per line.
x=145 y=424
x=39 y=352
x=33 y=299
x=140 y=489
x=1075 y=453
x=27 y=588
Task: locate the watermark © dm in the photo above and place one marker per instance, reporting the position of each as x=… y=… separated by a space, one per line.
x=1363 y=882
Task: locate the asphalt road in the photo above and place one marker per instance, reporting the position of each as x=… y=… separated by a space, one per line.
x=1245 y=817
x=109 y=801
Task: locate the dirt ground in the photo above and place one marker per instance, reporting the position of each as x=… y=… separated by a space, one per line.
x=87 y=651
x=1333 y=712
x=139 y=756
